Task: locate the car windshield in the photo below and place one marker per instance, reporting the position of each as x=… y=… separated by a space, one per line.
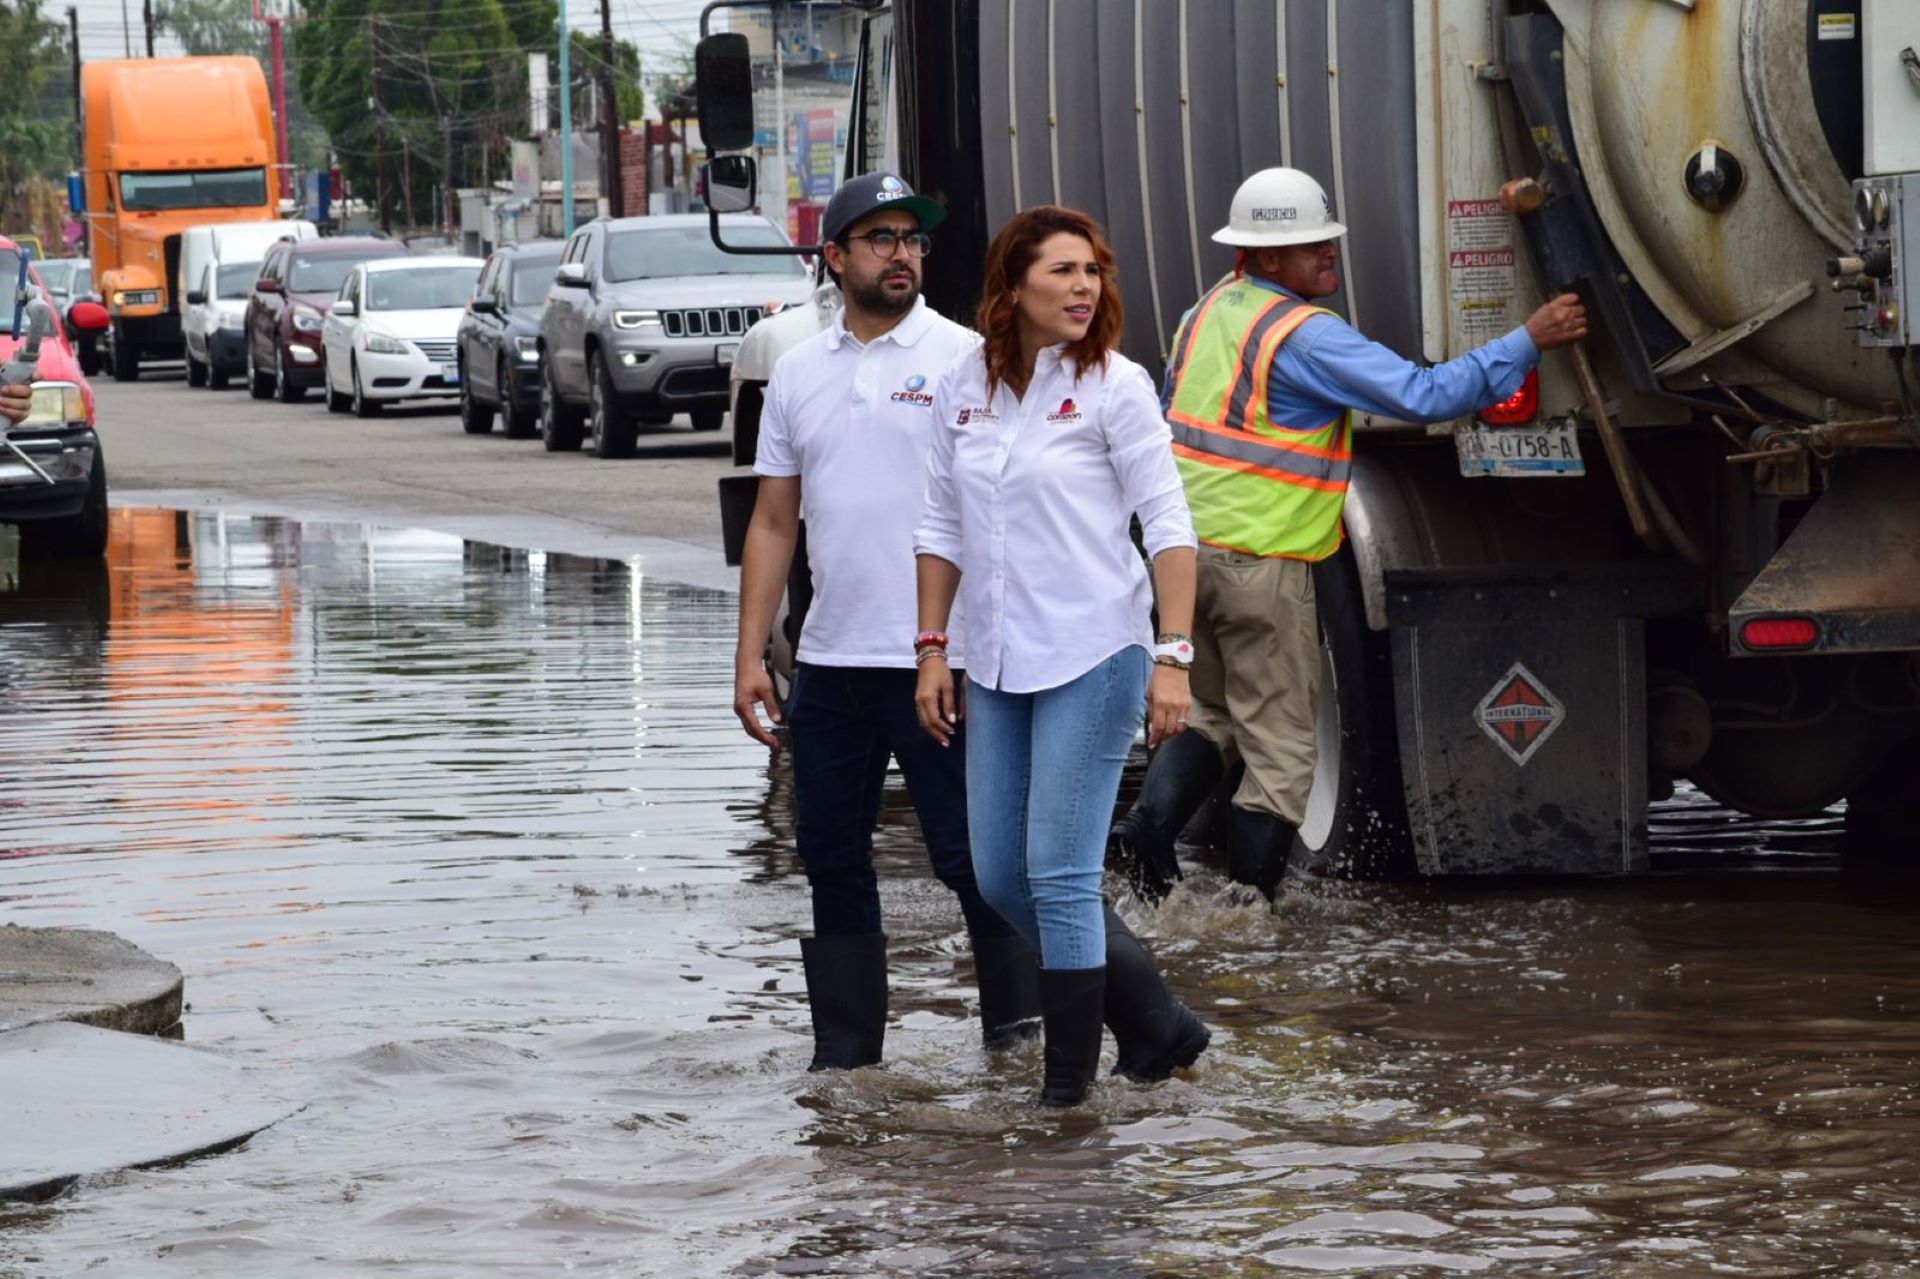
x=649 y=253
x=57 y=275
x=208 y=189
x=324 y=273
x=530 y=280
x=421 y=288
x=235 y=279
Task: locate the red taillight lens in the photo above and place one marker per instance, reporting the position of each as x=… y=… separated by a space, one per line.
x=1779 y=633
x=1519 y=408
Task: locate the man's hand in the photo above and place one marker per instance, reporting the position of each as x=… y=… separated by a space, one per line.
x=16 y=402
x=753 y=687
x=1560 y=321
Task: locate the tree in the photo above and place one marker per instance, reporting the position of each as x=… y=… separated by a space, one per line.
x=36 y=129
x=209 y=27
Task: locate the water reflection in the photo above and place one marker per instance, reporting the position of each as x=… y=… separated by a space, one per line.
x=463 y=842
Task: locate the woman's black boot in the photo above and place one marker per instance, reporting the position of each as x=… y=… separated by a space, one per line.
x=1072 y=1004
x=1007 y=970
x=847 y=994
x=1156 y=1033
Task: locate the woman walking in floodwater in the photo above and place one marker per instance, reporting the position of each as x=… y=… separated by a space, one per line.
x=1046 y=442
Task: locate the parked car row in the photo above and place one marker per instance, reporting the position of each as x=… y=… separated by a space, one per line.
x=624 y=325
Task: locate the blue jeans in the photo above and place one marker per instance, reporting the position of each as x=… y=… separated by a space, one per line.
x=843 y=722
x=1038 y=849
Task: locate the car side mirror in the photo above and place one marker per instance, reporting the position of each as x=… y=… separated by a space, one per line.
x=89 y=317
x=571 y=275
x=732 y=183
x=266 y=286
x=345 y=309
x=196 y=298
x=723 y=79
x=484 y=306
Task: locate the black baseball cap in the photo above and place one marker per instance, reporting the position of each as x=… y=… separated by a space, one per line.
x=870 y=193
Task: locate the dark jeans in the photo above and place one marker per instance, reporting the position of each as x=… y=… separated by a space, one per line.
x=843 y=723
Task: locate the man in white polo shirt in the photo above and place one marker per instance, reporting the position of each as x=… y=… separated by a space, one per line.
x=844 y=433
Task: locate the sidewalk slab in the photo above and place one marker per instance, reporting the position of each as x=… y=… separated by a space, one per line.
x=77 y=1101
x=82 y=975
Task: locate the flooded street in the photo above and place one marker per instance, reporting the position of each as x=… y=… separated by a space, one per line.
x=464 y=846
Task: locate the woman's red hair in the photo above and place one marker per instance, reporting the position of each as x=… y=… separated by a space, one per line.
x=1010 y=256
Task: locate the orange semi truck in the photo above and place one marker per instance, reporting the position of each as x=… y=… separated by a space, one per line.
x=170 y=143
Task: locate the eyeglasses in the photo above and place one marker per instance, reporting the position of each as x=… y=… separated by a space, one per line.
x=884 y=243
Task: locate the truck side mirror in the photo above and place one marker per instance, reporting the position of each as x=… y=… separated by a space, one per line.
x=723 y=81
x=196 y=298
x=732 y=183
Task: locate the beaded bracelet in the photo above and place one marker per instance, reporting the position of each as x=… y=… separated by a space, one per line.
x=1174 y=662
x=931 y=650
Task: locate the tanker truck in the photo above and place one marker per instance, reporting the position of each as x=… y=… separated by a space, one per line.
x=170 y=143
x=1689 y=549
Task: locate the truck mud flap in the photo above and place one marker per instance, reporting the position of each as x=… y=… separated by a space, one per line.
x=1521 y=702
x=1848 y=579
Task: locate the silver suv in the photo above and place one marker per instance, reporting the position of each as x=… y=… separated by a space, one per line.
x=643 y=321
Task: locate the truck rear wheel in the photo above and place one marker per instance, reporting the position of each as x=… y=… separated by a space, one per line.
x=1356 y=820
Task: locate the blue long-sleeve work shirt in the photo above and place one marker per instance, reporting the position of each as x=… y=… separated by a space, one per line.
x=1326 y=366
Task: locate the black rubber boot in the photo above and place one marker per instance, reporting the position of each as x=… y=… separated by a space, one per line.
x=1185 y=770
x=1156 y=1033
x=1008 y=970
x=1261 y=844
x=847 y=993
x=1072 y=1004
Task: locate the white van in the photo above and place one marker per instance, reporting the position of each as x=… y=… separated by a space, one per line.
x=218 y=265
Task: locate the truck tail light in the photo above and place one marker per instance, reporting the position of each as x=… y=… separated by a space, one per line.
x=1779 y=634
x=1519 y=408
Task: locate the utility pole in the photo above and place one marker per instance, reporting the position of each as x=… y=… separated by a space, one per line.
x=146 y=14
x=610 y=115
x=73 y=41
x=566 y=125
x=379 y=125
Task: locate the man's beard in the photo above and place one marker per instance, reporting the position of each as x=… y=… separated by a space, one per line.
x=877 y=299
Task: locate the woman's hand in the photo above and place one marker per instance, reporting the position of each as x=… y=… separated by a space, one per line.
x=936 y=700
x=1169 y=699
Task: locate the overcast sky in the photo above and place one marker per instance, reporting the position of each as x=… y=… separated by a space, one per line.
x=662 y=30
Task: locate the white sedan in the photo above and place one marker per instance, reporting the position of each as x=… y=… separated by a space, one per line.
x=391 y=333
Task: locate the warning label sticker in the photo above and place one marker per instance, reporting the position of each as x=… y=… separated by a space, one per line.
x=1836 y=26
x=1480 y=262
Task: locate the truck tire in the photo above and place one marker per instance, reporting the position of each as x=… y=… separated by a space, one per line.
x=615 y=434
x=1356 y=822
x=82 y=535
x=126 y=355
x=561 y=425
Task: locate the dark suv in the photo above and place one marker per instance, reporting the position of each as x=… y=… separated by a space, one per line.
x=297 y=285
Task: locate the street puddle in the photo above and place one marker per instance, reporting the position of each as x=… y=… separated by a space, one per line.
x=464 y=845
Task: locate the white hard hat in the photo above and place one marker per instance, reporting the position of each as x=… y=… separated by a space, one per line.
x=1279 y=206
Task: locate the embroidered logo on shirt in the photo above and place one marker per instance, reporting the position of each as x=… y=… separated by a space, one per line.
x=915 y=392
x=965 y=416
x=1067 y=412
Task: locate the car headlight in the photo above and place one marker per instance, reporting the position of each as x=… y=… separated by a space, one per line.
x=381 y=344
x=56 y=404
x=527 y=349
x=307 y=320
x=635 y=319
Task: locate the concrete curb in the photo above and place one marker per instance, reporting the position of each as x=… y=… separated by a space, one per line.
x=86 y=976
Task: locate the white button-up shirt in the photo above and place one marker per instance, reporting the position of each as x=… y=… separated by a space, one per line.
x=855 y=422
x=1031 y=499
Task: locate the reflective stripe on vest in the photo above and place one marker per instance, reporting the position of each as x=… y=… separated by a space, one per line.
x=1254 y=485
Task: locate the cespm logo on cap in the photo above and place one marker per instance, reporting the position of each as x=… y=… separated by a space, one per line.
x=891 y=188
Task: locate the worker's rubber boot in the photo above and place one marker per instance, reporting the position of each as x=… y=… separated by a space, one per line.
x=1072 y=1005
x=1259 y=848
x=847 y=994
x=1184 y=771
x=1008 y=970
x=1156 y=1033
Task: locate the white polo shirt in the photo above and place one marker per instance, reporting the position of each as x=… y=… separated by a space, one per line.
x=1032 y=499
x=855 y=422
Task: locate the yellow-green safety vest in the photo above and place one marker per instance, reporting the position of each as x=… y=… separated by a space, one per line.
x=1255 y=486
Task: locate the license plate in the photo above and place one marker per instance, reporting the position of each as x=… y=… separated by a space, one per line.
x=1524 y=451
x=451 y=372
x=724 y=353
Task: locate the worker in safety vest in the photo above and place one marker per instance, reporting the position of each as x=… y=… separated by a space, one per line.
x=1260 y=392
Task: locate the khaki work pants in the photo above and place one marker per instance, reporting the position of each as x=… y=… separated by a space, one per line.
x=1256 y=674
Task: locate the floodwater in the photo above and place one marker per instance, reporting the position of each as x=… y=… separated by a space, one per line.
x=462 y=847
